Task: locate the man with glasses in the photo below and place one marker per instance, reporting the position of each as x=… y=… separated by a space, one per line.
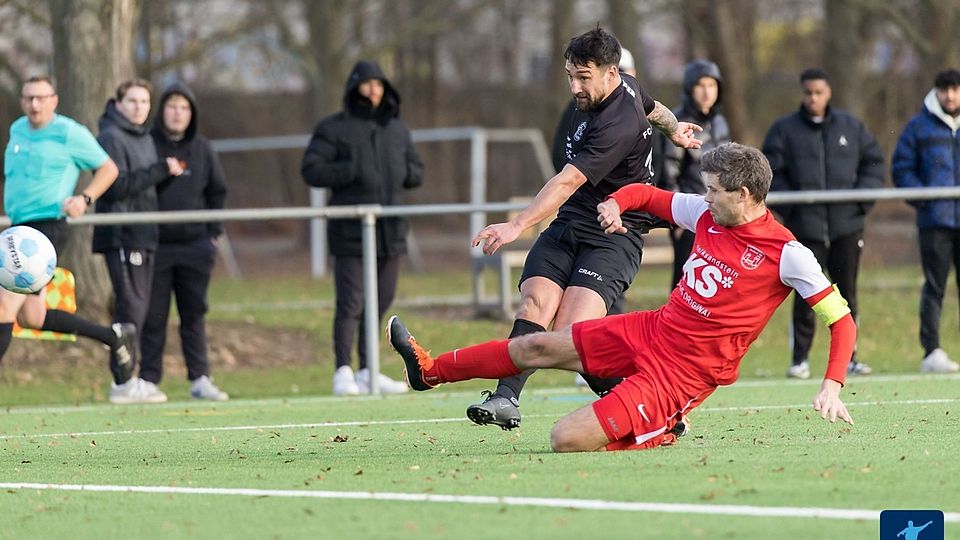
x=42 y=164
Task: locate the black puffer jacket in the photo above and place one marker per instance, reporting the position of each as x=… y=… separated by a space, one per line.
x=200 y=187
x=364 y=156
x=681 y=166
x=131 y=148
x=838 y=153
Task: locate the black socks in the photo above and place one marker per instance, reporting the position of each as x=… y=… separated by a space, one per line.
x=512 y=386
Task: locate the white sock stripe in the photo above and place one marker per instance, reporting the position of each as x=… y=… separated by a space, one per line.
x=581 y=504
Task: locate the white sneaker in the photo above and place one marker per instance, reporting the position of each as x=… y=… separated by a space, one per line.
x=799 y=371
x=578 y=380
x=136 y=390
x=938 y=362
x=343 y=382
x=387 y=385
x=203 y=388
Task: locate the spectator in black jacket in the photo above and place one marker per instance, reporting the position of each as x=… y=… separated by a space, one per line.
x=187 y=251
x=819 y=148
x=365 y=155
x=129 y=249
x=702 y=90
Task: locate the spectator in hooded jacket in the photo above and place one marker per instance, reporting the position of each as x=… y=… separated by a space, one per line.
x=365 y=155
x=819 y=147
x=927 y=155
x=186 y=251
x=129 y=249
x=702 y=87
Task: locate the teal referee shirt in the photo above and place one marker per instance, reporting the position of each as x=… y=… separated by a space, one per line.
x=42 y=166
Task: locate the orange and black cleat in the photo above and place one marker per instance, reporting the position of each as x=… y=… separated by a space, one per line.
x=415 y=358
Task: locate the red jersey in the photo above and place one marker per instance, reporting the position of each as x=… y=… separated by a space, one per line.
x=733 y=281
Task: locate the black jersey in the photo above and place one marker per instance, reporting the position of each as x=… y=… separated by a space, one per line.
x=612 y=146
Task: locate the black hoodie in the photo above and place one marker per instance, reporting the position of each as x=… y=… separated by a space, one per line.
x=681 y=167
x=131 y=148
x=365 y=156
x=201 y=186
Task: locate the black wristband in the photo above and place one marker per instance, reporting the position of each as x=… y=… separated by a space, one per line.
x=87 y=199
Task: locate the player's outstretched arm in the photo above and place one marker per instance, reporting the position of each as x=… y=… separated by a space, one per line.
x=828 y=403
x=553 y=194
x=682 y=134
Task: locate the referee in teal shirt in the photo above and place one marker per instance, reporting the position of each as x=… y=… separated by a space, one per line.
x=42 y=164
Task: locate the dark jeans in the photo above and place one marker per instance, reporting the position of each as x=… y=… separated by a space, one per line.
x=938 y=249
x=841 y=260
x=131 y=273
x=183 y=270
x=349 y=314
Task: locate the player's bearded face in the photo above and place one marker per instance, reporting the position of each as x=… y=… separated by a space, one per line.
x=724 y=204
x=589 y=84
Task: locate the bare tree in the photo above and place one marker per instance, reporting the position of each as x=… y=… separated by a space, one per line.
x=844 y=44
x=88 y=63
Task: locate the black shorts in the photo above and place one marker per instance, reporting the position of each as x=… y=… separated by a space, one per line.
x=571 y=255
x=53 y=229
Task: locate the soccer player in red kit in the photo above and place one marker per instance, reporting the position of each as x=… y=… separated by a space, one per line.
x=743 y=266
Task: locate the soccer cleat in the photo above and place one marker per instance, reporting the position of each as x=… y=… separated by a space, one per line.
x=344 y=383
x=681 y=428
x=415 y=358
x=799 y=371
x=858 y=368
x=387 y=385
x=124 y=354
x=496 y=410
x=203 y=388
x=136 y=390
x=938 y=362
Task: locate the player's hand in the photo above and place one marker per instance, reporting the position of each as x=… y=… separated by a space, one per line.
x=609 y=217
x=74 y=206
x=494 y=236
x=828 y=403
x=686 y=135
x=174 y=167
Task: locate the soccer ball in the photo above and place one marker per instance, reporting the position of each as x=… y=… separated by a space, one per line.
x=27 y=260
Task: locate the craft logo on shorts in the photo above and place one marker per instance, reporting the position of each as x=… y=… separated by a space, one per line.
x=911 y=525
x=751 y=258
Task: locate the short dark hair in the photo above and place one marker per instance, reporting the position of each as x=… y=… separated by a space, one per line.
x=814 y=74
x=597 y=46
x=738 y=165
x=946 y=78
x=127 y=85
x=42 y=78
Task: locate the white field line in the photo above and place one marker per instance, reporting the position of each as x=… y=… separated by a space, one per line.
x=316 y=425
x=579 y=504
x=307 y=400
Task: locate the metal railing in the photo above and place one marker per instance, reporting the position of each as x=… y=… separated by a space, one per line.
x=369 y=214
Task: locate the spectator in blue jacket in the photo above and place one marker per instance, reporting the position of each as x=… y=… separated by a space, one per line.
x=928 y=155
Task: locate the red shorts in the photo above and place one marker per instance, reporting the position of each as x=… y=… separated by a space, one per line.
x=653 y=397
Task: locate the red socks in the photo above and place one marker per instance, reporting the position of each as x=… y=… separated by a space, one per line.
x=488 y=360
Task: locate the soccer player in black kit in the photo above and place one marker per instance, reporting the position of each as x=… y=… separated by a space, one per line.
x=574 y=271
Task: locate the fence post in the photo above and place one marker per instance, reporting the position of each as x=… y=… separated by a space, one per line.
x=318 y=235
x=371 y=306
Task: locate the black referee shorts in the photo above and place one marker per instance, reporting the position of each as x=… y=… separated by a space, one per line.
x=578 y=256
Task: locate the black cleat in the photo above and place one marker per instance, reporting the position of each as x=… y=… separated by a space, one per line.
x=681 y=428
x=497 y=410
x=125 y=353
x=415 y=358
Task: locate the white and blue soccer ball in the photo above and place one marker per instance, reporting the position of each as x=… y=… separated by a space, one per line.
x=27 y=261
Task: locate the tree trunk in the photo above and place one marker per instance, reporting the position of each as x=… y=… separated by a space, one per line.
x=87 y=65
x=625 y=25
x=561 y=31
x=843 y=45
